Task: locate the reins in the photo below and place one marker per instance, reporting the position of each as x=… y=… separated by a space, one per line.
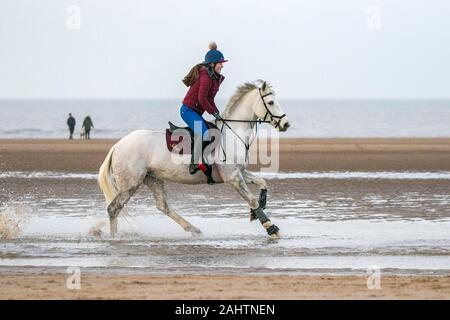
x=255 y=122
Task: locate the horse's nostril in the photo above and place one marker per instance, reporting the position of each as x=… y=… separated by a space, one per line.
x=286 y=125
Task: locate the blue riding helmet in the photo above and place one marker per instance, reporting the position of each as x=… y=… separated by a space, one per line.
x=214 y=55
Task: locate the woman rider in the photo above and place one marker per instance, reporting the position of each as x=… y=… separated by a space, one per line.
x=203 y=81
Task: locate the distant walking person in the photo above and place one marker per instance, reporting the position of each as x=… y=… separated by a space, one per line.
x=87 y=125
x=71 y=123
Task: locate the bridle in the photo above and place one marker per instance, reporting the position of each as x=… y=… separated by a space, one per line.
x=256 y=122
x=268 y=112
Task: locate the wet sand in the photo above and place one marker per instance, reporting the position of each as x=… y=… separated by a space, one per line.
x=296 y=155
x=278 y=287
x=364 y=154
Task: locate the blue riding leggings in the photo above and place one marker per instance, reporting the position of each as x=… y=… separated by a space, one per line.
x=193 y=120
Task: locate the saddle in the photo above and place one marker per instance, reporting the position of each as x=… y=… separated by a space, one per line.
x=172 y=143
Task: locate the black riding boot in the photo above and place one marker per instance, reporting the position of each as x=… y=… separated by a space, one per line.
x=193 y=167
x=207 y=168
x=203 y=166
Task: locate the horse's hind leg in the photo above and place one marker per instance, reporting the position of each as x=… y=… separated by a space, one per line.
x=157 y=187
x=117 y=205
x=250 y=177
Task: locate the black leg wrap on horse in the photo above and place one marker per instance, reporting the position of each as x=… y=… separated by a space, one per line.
x=272 y=229
x=262 y=204
x=263 y=198
x=259 y=213
x=252 y=215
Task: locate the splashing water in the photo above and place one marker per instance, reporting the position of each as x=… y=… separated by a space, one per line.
x=12 y=221
x=329 y=226
x=96 y=231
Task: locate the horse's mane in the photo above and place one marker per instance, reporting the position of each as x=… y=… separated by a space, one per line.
x=243 y=90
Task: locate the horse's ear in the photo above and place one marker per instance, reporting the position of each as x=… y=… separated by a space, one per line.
x=264 y=85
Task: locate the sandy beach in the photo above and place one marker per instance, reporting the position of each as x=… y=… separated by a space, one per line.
x=296 y=155
x=364 y=154
x=328 y=163
x=278 y=287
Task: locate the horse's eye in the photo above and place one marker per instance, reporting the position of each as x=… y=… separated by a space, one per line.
x=270 y=103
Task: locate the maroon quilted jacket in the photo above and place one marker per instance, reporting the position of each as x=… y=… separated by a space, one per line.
x=200 y=96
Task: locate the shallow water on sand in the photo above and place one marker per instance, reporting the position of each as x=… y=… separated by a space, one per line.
x=328 y=224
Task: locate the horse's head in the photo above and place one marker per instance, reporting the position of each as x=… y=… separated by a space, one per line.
x=268 y=108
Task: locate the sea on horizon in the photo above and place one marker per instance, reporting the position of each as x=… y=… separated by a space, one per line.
x=309 y=118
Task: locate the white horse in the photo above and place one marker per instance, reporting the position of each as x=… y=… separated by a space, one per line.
x=143 y=158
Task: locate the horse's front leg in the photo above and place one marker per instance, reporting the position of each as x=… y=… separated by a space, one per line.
x=250 y=177
x=237 y=181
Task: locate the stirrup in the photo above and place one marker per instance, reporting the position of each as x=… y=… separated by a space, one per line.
x=193 y=168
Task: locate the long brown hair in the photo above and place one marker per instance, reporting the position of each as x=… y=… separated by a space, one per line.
x=190 y=78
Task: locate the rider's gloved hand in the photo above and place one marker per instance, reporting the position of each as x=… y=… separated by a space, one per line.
x=217 y=115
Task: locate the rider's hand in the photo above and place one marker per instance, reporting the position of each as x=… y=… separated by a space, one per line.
x=217 y=115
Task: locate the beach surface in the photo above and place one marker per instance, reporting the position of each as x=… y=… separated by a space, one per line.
x=352 y=154
x=405 y=222
x=257 y=287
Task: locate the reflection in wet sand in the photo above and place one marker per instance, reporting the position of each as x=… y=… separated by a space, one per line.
x=328 y=226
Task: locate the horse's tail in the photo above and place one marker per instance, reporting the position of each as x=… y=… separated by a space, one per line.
x=105 y=180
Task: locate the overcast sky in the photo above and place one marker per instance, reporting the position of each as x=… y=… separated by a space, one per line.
x=307 y=49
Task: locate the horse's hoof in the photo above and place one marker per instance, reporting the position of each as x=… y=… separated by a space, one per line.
x=194 y=231
x=275 y=236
